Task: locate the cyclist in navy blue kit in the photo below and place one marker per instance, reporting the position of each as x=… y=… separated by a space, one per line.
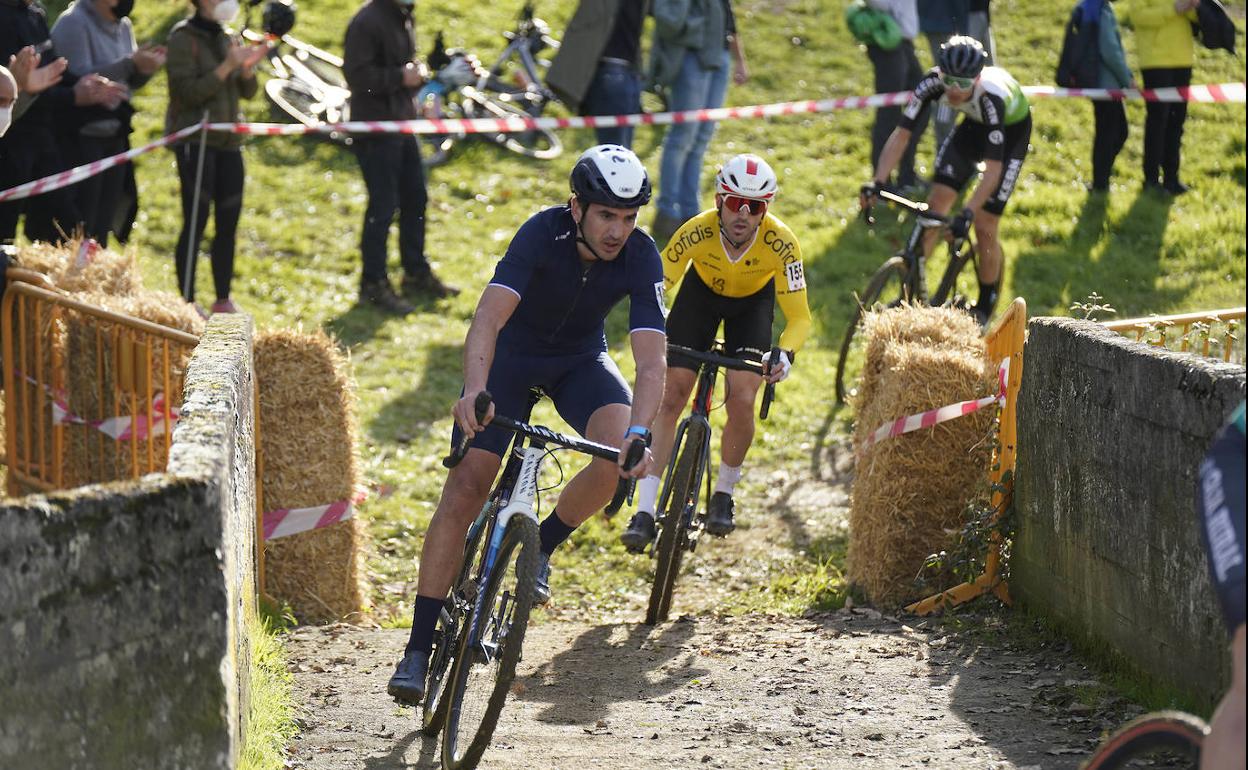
x=1220 y=501
x=539 y=323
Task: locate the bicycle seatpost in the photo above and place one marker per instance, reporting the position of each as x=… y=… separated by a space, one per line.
x=480 y=407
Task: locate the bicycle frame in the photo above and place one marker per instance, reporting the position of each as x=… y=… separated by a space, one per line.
x=915 y=284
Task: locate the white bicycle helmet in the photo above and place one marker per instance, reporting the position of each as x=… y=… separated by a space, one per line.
x=747 y=176
x=611 y=175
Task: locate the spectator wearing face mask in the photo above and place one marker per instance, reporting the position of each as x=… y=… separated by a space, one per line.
x=28 y=151
x=97 y=36
x=210 y=73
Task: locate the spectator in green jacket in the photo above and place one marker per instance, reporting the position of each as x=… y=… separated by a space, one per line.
x=1164 y=43
x=210 y=72
x=1110 y=115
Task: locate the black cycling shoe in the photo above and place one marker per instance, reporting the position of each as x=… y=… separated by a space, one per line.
x=719 y=514
x=640 y=532
x=407 y=686
x=542 y=594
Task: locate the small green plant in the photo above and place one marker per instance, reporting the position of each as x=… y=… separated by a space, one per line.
x=1094 y=305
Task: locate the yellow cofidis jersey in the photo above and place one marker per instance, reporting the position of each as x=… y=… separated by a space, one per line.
x=774 y=255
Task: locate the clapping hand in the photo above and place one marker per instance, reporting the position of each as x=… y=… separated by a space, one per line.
x=148 y=59
x=30 y=77
x=92 y=90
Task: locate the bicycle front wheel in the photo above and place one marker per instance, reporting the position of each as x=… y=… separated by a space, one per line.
x=887 y=286
x=450 y=623
x=676 y=503
x=1172 y=731
x=489 y=648
x=542 y=144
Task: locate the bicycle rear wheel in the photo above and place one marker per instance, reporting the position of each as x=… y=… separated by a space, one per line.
x=450 y=621
x=483 y=671
x=887 y=287
x=542 y=144
x=1172 y=731
x=676 y=502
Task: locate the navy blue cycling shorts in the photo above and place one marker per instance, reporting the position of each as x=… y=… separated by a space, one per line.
x=579 y=384
x=1220 y=501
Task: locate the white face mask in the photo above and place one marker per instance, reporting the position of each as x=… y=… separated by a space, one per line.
x=225 y=11
x=6 y=118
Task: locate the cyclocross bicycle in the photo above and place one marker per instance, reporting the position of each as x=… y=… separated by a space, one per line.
x=481 y=629
x=680 y=522
x=1172 y=731
x=902 y=279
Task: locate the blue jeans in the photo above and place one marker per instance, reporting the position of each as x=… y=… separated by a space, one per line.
x=696 y=88
x=615 y=90
x=396 y=182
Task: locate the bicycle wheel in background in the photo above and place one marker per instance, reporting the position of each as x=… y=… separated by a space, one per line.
x=542 y=144
x=886 y=287
x=450 y=623
x=293 y=99
x=1172 y=731
x=435 y=149
x=675 y=501
x=329 y=71
x=482 y=675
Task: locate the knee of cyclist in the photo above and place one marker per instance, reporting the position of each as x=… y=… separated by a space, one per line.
x=740 y=405
x=986 y=231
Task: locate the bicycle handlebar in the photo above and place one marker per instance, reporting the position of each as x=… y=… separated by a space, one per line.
x=623 y=489
x=739 y=364
x=915 y=207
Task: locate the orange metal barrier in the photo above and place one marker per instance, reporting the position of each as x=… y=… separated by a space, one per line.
x=90 y=395
x=1005 y=340
x=1214 y=331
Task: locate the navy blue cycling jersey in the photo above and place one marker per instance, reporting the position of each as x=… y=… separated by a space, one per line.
x=1220 y=500
x=565 y=300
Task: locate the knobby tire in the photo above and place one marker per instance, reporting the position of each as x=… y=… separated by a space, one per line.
x=893 y=267
x=1172 y=730
x=517 y=556
x=673 y=535
x=446 y=633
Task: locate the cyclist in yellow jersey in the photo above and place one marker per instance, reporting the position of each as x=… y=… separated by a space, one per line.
x=744 y=261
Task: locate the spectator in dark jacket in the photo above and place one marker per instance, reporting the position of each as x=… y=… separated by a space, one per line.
x=940 y=20
x=598 y=68
x=378 y=61
x=96 y=36
x=1110 y=115
x=23 y=24
x=209 y=74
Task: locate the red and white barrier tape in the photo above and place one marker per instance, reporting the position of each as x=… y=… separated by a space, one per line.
x=943 y=414
x=75 y=175
x=291 y=521
x=116 y=428
x=1217 y=93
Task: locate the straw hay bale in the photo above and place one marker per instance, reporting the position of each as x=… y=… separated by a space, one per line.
x=909 y=492
x=107 y=272
x=308 y=449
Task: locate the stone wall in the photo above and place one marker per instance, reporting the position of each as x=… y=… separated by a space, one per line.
x=123 y=606
x=1111 y=433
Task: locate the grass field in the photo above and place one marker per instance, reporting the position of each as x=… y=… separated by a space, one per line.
x=299 y=265
x=298 y=257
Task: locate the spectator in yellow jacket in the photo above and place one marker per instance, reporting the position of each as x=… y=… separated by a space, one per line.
x=1164 y=44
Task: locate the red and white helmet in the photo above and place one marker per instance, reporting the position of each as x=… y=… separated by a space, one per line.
x=747 y=176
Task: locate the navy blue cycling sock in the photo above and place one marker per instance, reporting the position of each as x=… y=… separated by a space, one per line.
x=424 y=621
x=553 y=532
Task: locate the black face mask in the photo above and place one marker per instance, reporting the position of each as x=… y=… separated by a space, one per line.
x=123 y=9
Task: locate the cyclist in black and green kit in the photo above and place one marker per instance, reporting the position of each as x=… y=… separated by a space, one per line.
x=996 y=130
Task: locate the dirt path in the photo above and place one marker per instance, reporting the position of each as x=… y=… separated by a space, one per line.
x=853 y=688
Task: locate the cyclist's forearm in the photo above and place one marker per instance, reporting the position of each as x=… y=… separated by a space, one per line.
x=650 y=355
x=479 y=355
x=891 y=154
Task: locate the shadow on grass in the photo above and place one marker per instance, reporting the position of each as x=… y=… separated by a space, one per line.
x=1064 y=267
x=414 y=411
x=596 y=670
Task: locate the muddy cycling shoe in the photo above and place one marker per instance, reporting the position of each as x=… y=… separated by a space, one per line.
x=542 y=594
x=407 y=686
x=640 y=532
x=719 y=514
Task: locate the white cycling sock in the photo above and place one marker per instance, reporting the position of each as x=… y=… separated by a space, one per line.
x=647 y=494
x=727 y=480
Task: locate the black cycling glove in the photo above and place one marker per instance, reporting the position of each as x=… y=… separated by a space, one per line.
x=961 y=224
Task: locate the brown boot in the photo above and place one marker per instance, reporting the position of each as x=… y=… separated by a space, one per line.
x=426 y=284
x=381 y=294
